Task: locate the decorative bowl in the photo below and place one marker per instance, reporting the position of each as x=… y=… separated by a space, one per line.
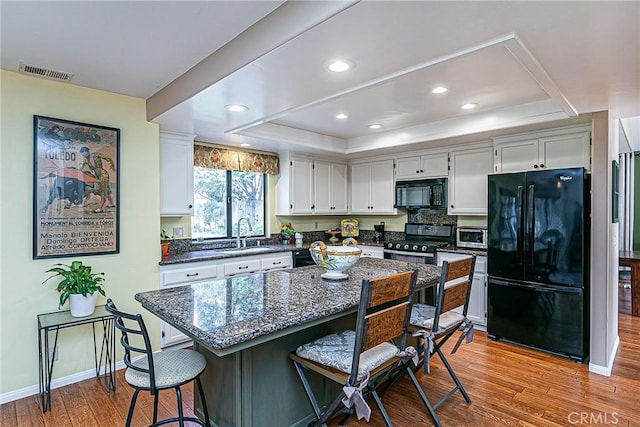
x=335 y=259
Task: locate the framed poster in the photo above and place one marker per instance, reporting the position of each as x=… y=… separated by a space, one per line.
x=75 y=188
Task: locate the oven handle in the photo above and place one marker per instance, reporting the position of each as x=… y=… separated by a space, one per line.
x=407 y=253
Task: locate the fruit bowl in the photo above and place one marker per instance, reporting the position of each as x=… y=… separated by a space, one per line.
x=335 y=259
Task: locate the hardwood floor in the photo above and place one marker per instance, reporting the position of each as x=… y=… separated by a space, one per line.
x=509 y=386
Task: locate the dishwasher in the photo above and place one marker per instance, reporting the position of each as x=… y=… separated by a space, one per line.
x=302 y=258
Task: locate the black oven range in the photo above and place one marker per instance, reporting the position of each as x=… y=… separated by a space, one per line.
x=421 y=243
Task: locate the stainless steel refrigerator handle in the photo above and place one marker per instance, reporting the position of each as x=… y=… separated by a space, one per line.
x=520 y=231
x=532 y=223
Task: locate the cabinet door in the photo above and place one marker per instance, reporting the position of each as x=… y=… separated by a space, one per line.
x=565 y=151
x=242 y=268
x=434 y=165
x=176 y=175
x=372 y=251
x=517 y=156
x=477 y=310
x=171 y=336
x=339 y=189
x=301 y=186
x=322 y=188
x=277 y=262
x=468 y=181
x=408 y=168
x=360 y=187
x=382 y=187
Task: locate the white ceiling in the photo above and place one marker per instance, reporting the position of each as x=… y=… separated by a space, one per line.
x=524 y=63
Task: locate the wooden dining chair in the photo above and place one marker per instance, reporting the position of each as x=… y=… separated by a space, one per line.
x=361 y=359
x=436 y=325
x=156 y=372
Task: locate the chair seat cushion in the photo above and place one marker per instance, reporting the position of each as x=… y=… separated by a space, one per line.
x=336 y=351
x=422 y=316
x=172 y=367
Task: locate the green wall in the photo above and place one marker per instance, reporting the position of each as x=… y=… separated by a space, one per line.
x=134 y=269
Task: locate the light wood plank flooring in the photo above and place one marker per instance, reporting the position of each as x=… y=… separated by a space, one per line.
x=509 y=386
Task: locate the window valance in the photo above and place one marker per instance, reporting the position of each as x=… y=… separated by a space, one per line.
x=229 y=159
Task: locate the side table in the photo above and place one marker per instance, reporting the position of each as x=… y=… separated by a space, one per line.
x=104 y=362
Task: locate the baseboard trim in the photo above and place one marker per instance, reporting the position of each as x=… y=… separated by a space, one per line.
x=56 y=383
x=606 y=370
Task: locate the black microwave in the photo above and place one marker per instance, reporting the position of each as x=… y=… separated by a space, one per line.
x=424 y=193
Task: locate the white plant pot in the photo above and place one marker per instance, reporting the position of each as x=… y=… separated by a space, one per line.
x=81 y=305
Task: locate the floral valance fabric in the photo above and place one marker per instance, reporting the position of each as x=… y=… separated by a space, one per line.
x=233 y=160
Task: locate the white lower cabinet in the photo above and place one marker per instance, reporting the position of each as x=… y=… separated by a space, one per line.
x=242 y=267
x=477 y=311
x=279 y=262
x=185 y=274
x=371 y=251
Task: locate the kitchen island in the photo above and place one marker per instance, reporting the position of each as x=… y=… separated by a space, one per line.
x=247 y=326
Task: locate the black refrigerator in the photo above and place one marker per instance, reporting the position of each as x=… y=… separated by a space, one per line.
x=538 y=258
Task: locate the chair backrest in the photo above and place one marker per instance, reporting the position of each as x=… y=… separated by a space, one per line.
x=383 y=313
x=454 y=288
x=133 y=324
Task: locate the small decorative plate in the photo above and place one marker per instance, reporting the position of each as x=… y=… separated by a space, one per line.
x=349 y=228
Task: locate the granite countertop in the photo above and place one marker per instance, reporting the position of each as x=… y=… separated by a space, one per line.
x=231 y=314
x=224 y=253
x=466 y=251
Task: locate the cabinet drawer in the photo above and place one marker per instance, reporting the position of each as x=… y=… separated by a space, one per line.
x=193 y=274
x=276 y=262
x=241 y=267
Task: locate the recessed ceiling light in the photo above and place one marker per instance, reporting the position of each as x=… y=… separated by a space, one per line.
x=439 y=89
x=244 y=144
x=469 y=106
x=236 y=108
x=340 y=65
x=375 y=126
x=341 y=116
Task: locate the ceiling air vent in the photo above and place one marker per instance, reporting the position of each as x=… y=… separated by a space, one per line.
x=61 y=76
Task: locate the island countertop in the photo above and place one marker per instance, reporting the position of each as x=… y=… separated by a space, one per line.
x=228 y=315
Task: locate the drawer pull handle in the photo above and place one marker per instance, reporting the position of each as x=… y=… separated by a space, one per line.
x=192 y=274
x=277 y=263
x=243 y=267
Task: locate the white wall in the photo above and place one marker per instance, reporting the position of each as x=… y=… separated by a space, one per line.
x=133 y=270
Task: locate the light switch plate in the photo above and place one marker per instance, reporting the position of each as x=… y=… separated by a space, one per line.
x=178 y=232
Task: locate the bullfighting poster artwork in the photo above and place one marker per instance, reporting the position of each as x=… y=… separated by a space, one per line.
x=76 y=188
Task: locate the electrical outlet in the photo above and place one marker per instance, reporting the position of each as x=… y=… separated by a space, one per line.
x=315 y=225
x=51 y=354
x=178 y=232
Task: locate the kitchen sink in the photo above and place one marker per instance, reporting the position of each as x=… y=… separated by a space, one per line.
x=246 y=251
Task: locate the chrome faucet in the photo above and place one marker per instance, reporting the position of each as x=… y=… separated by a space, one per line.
x=243 y=243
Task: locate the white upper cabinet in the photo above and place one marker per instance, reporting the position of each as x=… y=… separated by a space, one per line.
x=560 y=148
x=176 y=174
x=301 y=188
x=424 y=166
x=330 y=185
x=467 y=188
x=372 y=187
x=309 y=186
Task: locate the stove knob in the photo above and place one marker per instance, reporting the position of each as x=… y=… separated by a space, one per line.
x=406 y=247
x=415 y=248
x=390 y=245
x=425 y=248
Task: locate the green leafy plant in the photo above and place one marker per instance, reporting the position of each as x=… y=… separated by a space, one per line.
x=77 y=279
x=164 y=236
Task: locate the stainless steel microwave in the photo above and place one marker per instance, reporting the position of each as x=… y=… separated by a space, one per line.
x=471 y=237
x=424 y=193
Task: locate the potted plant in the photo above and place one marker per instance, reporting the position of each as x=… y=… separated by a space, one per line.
x=78 y=285
x=164 y=243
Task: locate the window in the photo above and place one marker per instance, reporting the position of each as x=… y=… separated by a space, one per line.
x=222 y=197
